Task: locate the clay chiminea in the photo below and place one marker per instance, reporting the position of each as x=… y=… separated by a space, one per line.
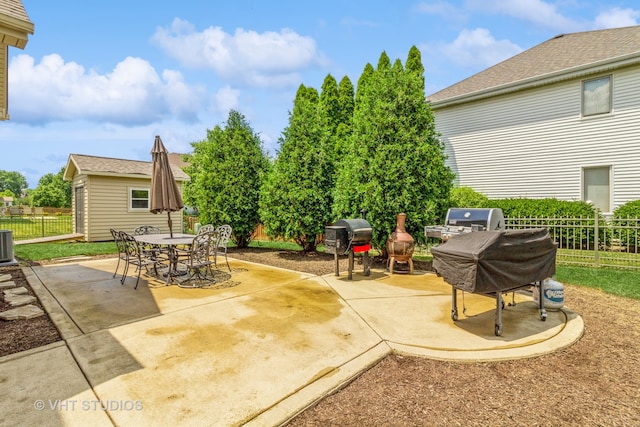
x=400 y=244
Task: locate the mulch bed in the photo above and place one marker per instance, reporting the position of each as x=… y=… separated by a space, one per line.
x=24 y=334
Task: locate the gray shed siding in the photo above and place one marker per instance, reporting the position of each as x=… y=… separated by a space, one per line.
x=535 y=143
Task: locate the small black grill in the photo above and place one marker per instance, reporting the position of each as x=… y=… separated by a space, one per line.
x=349 y=236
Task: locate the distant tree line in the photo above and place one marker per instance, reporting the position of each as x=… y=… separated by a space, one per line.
x=374 y=148
x=52 y=190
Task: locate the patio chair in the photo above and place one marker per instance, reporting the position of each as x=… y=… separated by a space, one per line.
x=198 y=262
x=146 y=229
x=220 y=245
x=207 y=228
x=122 y=249
x=153 y=251
x=136 y=256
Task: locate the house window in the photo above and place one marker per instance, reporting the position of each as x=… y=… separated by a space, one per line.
x=596 y=187
x=596 y=96
x=139 y=199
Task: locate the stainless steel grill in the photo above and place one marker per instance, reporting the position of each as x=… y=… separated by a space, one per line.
x=466 y=220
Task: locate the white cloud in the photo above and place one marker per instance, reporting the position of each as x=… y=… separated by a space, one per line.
x=617 y=17
x=258 y=59
x=478 y=49
x=538 y=12
x=226 y=98
x=132 y=94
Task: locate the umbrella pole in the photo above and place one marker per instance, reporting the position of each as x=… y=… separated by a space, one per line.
x=170 y=225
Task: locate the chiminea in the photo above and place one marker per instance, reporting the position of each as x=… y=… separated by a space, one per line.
x=400 y=245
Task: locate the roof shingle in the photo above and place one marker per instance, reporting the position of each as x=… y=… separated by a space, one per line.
x=95 y=165
x=561 y=53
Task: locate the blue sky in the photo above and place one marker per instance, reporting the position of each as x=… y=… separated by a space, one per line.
x=103 y=78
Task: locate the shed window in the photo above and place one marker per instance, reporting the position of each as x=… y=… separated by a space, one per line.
x=139 y=199
x=596 y=96
x=596 y=187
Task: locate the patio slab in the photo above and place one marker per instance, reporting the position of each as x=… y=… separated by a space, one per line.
x=261 y=347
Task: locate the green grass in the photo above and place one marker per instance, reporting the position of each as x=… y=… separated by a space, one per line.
x=620 y=282
x=47 y=251
x=624 y=283
x=30 y=228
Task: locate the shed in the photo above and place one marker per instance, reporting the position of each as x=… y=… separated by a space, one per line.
x=114 y=193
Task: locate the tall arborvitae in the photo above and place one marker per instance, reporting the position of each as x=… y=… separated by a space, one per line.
x=396 y=160
x=226 y=173
x=346 y=102
x=293 y=199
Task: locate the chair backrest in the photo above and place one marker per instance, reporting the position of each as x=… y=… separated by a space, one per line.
x=131 y=246
x=224 y=234
x=200 y=249
x=207 y=228
x=146 y=229
x=119 y=242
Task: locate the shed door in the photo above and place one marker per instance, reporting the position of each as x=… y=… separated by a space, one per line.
x=79 y=210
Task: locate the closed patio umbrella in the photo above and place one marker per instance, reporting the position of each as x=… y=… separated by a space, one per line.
x=165 y=196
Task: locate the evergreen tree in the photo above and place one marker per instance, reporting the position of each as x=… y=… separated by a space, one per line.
x=396 y=159
x=226 y=173
x=293 y=200
x=346 y=104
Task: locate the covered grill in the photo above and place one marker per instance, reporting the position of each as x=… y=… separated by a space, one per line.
x=492 y=262
x=465 y=220
x=349 y=236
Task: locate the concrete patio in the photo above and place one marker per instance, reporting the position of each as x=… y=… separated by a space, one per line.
x=255 y=350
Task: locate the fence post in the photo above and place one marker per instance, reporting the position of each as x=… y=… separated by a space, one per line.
x=42 y=223
x=596 y=238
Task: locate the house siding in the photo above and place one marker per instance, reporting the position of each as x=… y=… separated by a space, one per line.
x=106 y=207
x=535 y=143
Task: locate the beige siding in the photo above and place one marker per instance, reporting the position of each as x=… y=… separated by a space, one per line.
x=535 y=143
x=4 y=108
x=107 y=200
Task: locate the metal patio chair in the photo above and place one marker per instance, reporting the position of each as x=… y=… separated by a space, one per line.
x=153 y=251
x=137 y=256
x=220 y=245
x=198 y=261
x=122 y=249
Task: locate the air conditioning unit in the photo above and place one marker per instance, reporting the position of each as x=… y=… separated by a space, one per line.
x=6 y=245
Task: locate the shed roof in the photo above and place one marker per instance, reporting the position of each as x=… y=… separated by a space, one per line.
x=15 y=25
x=108 y=166
x=565 y=53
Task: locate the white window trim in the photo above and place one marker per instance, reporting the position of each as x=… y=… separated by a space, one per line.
x=130 y=199
x=596 y=115
x=611 y=186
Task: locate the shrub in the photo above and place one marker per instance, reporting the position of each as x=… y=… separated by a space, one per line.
x=626 y=223
x=467 y=197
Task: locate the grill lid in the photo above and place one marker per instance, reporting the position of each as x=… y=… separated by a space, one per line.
x=479 y=218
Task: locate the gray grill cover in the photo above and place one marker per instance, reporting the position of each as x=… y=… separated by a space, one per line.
x=493 y=261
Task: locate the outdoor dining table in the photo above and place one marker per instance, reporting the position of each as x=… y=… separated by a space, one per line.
x=171 y=243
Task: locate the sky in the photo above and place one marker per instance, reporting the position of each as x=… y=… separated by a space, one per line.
x=103 y=78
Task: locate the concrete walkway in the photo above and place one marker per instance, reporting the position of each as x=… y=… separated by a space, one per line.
x=255 y=350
